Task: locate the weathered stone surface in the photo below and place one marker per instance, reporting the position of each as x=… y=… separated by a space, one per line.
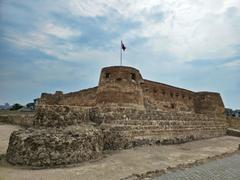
x=129 y=111
x=233 y=132
x=125 y=86
x=52 y=147
x=60 y=116
x=114 y=140
x=233 y=122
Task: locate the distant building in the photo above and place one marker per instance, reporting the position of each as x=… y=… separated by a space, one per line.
x=236 y=113
x=232 y=113
x=5 y=106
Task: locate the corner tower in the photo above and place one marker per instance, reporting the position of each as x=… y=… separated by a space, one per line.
x=120 y=85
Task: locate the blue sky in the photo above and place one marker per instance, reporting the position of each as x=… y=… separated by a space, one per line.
x=62 y=45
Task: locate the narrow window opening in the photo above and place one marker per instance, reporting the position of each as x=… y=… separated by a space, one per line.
x=172 y=106
x=171 y=94
x=107 y=75
x=133 y=76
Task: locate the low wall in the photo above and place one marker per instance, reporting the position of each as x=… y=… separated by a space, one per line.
x=60 y=116
x=233 y=122
x=134 y=127
x=71 y=134
x=53 y=147
x=17 y=118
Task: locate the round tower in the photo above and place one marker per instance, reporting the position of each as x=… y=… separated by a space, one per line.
x=208 y=103
x=120 y=85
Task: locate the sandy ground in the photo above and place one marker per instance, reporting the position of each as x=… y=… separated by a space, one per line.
x=123 y=163
x=5 y=131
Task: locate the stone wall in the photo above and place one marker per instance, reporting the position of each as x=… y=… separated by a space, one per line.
x=135 y=127
x=124 y=86
x=54 y=146
x=60 y=116
x=167 y=98
x=208 y=103
x=122 y=112
x=121 y=86
x=233 y=122
x=86 y=97
x=71 y=134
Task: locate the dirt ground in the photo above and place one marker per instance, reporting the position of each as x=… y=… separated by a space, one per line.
x=5 y=131
x=119 y=164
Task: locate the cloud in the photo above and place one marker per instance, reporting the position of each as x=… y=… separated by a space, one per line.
x=58 y=31
x=188 y=29
x=172 y=41
x=232 y=64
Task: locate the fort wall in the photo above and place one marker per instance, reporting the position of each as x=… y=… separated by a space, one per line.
x=123 y=111
x=121 y=86
x=208 y=103
x=124 y=86
x=233 y=122
x=86 y=97
x=167 y=98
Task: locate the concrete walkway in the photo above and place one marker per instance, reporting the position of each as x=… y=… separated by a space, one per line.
x=223 y=169
x=120 y=164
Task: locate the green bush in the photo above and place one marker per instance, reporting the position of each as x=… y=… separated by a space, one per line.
x=16 y=107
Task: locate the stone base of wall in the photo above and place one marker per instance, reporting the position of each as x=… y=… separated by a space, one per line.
x=60 y=116
x=105 y=129
x=124 y=127
x=233 y=132
x=115 y=140
x=233 y=122
x=53 y=147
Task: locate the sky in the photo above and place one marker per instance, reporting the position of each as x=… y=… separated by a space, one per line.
x=49 y=45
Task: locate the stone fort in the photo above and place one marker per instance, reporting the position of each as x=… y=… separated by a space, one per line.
x=123 y=111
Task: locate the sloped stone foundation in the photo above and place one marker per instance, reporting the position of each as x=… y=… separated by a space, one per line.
x=68 y=135
x=53 y=147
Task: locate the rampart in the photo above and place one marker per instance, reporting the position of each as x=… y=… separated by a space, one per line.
x=123 y=111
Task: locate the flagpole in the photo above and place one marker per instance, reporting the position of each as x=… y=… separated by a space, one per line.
x=121 y=54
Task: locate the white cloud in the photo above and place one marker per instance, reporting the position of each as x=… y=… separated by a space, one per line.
x=64 y=51
x=58 y=31
x=186 y=29
x=190 y=29
x=232 y=64
x=193 y=30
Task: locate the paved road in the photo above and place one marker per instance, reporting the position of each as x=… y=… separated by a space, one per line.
x=222 y=169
